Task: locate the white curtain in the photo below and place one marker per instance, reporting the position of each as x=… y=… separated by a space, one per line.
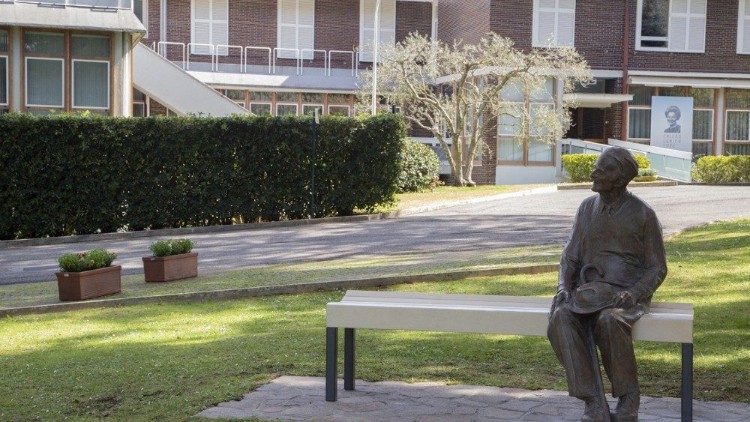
x=44 y=80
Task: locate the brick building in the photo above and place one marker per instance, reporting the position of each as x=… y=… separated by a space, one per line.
x=294 y=56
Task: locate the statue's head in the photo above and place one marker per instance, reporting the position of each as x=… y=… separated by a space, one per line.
x=614 y=169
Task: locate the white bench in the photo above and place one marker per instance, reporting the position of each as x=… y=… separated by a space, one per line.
x=488 y=314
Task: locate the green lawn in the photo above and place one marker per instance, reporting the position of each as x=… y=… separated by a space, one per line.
x=170 y=361
x=17 y=295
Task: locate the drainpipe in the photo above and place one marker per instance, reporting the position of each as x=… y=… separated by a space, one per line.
x=163 y=20
x=625 y=65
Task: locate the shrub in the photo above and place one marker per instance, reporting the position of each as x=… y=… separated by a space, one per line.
x=579 y=166
x=645 y=175
x=643 y=161
x=726 y=169
x=172 y=247
x=86 y=261
x=419 y=167
x=63 y=175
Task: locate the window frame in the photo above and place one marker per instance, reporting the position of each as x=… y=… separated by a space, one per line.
x=276 y=109
x=348 y=109
x=214 y=51
x=743 y=18
x=73 y=84
x=527 y=104
x=537 y=8
x=284 y=52
x=688 y=15
x=7 y=80
x=144 y=13
x=28 y=105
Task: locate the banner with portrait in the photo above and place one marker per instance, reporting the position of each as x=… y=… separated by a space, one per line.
x=672 y=123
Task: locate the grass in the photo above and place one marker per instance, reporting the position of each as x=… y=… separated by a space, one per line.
x=449 y=194
x=18 y=295
x=170 y=361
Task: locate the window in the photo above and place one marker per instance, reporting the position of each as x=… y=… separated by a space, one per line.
x=743 y=27
x=671 y=25
x=140 y=101
x=296 y=28
x=338 y=110
x=554 y=23
x=209 y=26
x=236 y=95
x=286 y=104
x=140 y=8
x=703 y=115
x=510 y=148
x=3 y=70
x=387 y=33
x=260 y=103
x=90 y=72
x=45 y=70
x=737 y=122
x=639 y=114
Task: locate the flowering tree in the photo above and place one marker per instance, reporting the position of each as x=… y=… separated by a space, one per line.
x=459 y=91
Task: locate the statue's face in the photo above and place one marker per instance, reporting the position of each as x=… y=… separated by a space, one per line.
x=606 y=175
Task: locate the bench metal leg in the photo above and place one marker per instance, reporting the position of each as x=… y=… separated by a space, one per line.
x=332 y=336
x=349 y=359
x=687 y=382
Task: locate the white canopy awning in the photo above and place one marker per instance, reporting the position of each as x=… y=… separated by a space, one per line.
x=78 y=18
x=593 y=100
x=695 y=82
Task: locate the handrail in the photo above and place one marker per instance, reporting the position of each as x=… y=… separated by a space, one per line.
x=332 y=52
x=211 y=52
x=276 y=56
x=164 y=52
x=312 y=57
x=299 y=55
x=227 y=47
x=244 y=70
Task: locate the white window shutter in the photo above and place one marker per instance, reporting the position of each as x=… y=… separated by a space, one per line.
x=554 y=23
x=201 y=35
x=545 y=29
x=287 y=29
x=306 y=27
x=678 y=33
x=697 y=34
x=566 y=27
x=387 y=33
x=202 y=9
x=220 y=25
x=743 y=27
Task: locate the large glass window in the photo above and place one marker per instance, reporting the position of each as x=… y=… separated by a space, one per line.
x=3 y=70
x=91 y=87
x=45 y=70
x=511 y=148
x=554 y=23
x=639 y=114
x=737 y=122
x=673 y=25
x=260 y=103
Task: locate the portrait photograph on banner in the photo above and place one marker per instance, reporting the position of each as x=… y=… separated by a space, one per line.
x=672 y=123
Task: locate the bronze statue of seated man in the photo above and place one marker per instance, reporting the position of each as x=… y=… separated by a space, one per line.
x=610 y=268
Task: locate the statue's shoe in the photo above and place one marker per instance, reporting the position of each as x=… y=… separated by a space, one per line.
x=597 y=410
x=627 y=408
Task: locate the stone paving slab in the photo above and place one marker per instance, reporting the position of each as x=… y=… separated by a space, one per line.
x=290 y=398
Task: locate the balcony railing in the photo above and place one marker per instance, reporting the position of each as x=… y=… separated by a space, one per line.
x=97 y=4
x=258 y=60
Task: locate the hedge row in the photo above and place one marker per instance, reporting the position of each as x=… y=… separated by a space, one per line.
x=580 y=166
x=74 y=175
x=420 y=167
x=726 y=169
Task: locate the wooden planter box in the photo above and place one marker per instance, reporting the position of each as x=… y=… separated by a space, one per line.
x=168 y=268
x=89 y=284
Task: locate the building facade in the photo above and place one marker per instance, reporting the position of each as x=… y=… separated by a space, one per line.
x=284 y=57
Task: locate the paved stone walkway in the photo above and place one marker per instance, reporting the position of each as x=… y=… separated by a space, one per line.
x=302 y=398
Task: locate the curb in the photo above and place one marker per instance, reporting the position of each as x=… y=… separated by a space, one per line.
x=587 y=185
x=182 y=231
x=250 y=292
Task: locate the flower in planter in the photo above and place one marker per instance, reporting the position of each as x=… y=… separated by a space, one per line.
x=172 y=247
x=85 y=261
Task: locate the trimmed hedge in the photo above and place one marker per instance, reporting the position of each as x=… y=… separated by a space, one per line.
x=722 y=169
x=580 y=166
x=67 y=174
x=419 y=167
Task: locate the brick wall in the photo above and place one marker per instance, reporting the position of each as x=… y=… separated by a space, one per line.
x=513 y=19
x=462 y=20
x=413 y=17
x=599 y=32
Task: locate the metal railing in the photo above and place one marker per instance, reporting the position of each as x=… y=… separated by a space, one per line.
x=97 y=4
x=271 y=60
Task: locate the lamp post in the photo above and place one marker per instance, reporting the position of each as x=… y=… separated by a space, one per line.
x=376 y=42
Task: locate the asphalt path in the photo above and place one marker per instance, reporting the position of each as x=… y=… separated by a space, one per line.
x=538 y=219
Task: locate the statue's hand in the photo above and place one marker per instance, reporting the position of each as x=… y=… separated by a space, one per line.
x=625 y=300
x=563 y=295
